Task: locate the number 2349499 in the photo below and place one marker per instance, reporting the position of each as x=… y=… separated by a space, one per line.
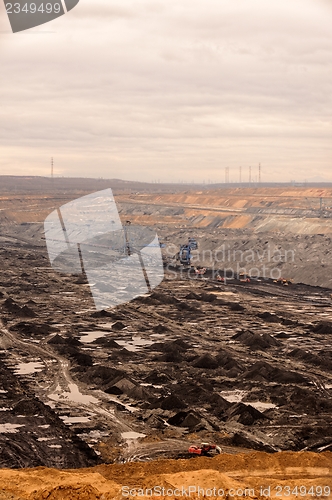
x=31 y=8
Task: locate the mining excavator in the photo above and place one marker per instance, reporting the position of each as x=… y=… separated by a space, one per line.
x=204 y=449
x=185 y=255
x=192 y=243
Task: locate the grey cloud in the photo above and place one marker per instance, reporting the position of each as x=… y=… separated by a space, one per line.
x=171 y=85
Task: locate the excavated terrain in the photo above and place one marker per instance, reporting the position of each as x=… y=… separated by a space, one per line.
x=246 y=365
x=256 y=475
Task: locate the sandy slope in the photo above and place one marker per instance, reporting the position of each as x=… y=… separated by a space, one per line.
x=232 y=476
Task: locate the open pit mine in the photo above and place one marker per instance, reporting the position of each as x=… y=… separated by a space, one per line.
x=232 y=349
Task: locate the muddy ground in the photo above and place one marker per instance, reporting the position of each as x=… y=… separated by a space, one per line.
x=244 y=364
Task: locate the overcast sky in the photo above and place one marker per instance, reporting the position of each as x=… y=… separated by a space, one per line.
x=170 y=90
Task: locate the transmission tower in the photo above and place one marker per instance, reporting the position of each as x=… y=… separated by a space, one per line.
x=226 y=175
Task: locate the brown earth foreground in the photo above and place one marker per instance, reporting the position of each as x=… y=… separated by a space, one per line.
x=286 y=474
x=246 y=365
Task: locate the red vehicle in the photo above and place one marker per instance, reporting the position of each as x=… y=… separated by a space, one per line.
x=204 y=449
x=200 y=271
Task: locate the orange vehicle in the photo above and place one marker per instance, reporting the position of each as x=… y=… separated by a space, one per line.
x=283 y=281
x=204 y=449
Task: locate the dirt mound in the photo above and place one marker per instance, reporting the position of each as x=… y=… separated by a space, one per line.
x=173 y=351
x=156 y=298
x=270 y=317
x=184 y=306
x=195 y=395
x=114 y=481
x=207 y=297
x=244 y=414
x=171 y=346
x=247 y=440
x=140 y=393
x=102 y=314
x=118 y=325
x=308 y=357
x=282 y=335
x=73 y=341
x=33 y=328
x=60 y=342
x=160 y=328
x=115 y=390
x=75 y=354
x=185 y=419
x=264 y=371
x=11 y=306
x=206 y=361
x=181 y=344
x=171 y=402
x=27 y=312
x=256 y=340
x=157 y=378
x=122 y=355
x=101 y=375
x=107 y=342
x=219 y=404
x=57 y=340
x=171 y=357
x=192 y=296
x=323 y=328
x=86 y=492
x=228 y=362
x=235 y=306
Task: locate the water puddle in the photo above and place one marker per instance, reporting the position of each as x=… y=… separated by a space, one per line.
x=88 y=337
x=74 y=395
x=93 y=436
x=107 y=325
x=116 y=400
x=135 y=344
x=145 y=384
x=10 y=428
x=132 y=435
x=237 y=396
x=260 y=405
x=28 y=368
x=75 y=420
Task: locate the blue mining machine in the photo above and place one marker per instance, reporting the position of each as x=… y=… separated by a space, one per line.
x=185 y=255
